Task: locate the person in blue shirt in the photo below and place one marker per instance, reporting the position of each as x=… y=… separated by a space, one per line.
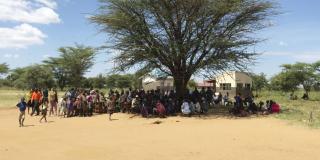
x=22 y=105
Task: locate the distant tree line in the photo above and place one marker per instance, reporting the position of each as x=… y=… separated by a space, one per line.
x=66 y=70
x=291 y=78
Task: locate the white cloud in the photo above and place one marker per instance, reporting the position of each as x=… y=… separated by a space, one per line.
x=277 y=53
x=308 y=57
x=25 y=12
x=20 y=36
x=48 y=3
x=281 y=43
x=15 y=56
x=29 y=11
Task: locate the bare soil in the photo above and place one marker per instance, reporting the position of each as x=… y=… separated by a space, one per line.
x=176 y=138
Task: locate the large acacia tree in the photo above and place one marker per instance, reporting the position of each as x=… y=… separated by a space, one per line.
x=183 y=37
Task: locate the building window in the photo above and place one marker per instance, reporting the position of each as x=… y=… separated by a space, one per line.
x=248 y=85
x=225 y=86
x=168 y=84
x=239 y=85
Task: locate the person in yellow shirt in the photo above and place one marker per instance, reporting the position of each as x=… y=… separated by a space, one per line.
x=52 y=102
x=27 y=98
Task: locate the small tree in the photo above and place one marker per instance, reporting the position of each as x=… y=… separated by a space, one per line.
x=259 y=82
x=4 y=68
x=284 y=81
x=35 y=76
x=303 y=73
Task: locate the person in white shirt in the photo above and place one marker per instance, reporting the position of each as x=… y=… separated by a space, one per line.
x=185 y=108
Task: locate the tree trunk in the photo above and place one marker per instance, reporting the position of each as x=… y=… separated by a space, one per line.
x=180 y=83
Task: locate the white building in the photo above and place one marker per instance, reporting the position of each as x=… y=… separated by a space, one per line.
x=233 y=83
x=153 y=83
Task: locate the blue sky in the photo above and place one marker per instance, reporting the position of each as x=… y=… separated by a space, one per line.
x=32 y=30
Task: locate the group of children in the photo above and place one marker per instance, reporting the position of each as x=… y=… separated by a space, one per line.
x=81 y=102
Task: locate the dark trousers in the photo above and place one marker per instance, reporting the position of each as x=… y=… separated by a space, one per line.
x=35 y=108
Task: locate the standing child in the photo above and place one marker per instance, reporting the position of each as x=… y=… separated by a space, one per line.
x=53 y=102
x=63 y=107
x=22 y=105
x=44 y=110
x=27 y=98
x=90 y=105
x=111 y=105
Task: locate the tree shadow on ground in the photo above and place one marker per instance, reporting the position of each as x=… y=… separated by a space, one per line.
x=222 y=112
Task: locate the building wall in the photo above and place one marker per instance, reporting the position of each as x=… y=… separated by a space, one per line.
x=228 y=77
x=243 y=78
x=234 y=78
x=158 y=84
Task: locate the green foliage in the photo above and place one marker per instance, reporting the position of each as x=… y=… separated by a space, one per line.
x=259 y=81
x=303 y=73
x=111 y=81
x=316 y=66
x=35 y=76
x=71 y=65
x=180 y=38
x=122 y=81
x=284 y=81
x=4 y=82
x=293 y=75
x=4 y=68
x=95 y=82
x=192 y=84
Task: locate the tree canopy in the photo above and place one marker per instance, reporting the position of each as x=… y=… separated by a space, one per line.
x=183 y=37
x=284 y=81
x=70 y=67
x=304 y=73
x=259 y=81
x=35 y=76
x=122 y=81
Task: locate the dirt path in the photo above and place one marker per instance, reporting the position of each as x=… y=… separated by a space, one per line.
x=136 y=138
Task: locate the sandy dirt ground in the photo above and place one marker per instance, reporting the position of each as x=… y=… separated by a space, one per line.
x=177 y=138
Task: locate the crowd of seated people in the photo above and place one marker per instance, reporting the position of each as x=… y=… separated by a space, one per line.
x=81 y=102
x=246 y=106
x=162 y=104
